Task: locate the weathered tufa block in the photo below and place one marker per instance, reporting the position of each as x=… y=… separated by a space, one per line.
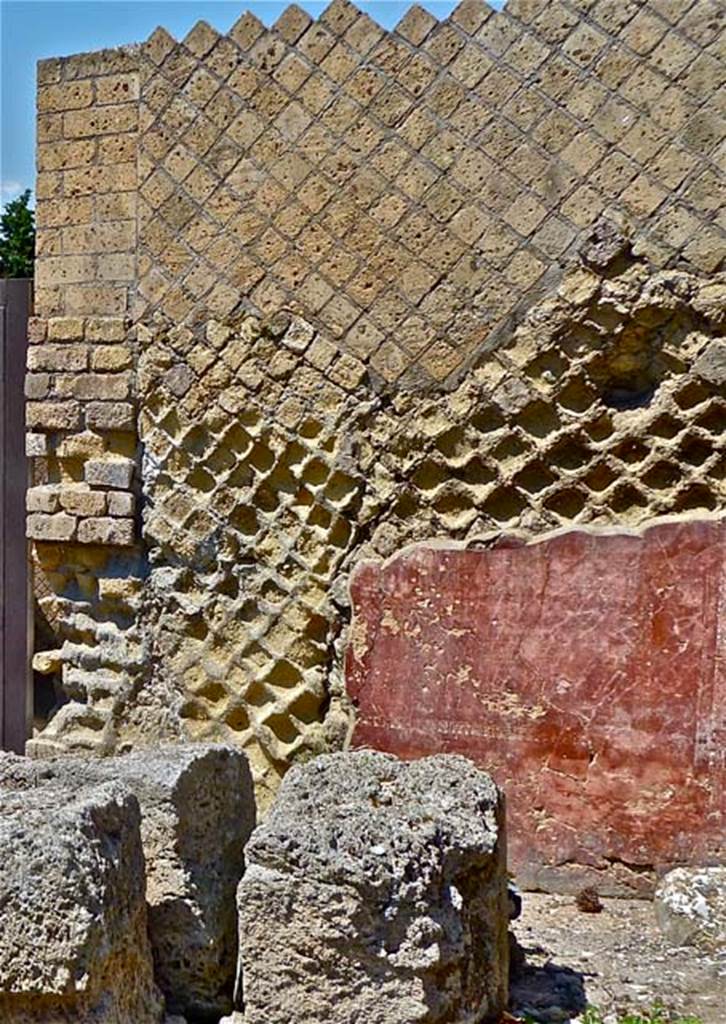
x=36 y=445
x=51 y=416
x=44 y=498
x=113 y=472
x=105 y=530
x=197 y=812
x=73 y=945
x=120 y=503
x=376 y=891
x=56 y=528
x=110 y=416
x=80 y=500
x=690 y=907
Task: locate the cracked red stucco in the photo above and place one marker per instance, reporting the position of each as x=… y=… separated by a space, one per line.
x=586 y=671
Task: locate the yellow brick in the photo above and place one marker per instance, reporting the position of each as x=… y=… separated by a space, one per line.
x=114 y=149
x=48 y=184
x=64 y=270
x=105 y=328
x=111 y=416
x=67 y=96
x=116 y=267
x=100 y=121
x=56 y=156
x=49 y=71
x=102 y=386
x=94 y=299
x=37 y=330
x=111 y=357
x=48 y=243
x=101 y=62
x=44 y=498
x=37 y=385
x=57 y=212
x=117 y=88
x=80 y=500
x=118 y=236
x=58 y=527
x=97 y=180
x=415 y=25
x=81 y=446
x=118 y=589
x=58 y=357
x=65 y=328
x=53 y=415
x=49 y=127
x=116 y=206
x=48 y=301
x=103 y=530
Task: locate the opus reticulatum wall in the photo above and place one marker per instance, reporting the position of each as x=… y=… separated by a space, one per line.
x=311 y=292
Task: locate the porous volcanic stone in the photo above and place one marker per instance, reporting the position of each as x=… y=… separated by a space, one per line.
x=376 y=891
x=690 y=907
x=197 y=811
x=73 y=941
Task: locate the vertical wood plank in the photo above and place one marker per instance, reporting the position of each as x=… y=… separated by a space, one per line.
x=3 y=525
x=15 y=606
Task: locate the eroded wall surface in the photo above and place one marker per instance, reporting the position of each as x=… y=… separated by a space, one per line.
x=310 y=292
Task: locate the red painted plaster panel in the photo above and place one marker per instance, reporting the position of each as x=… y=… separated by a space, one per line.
x=585 y=671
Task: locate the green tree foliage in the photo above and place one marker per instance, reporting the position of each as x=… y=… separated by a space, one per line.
x=17 y=238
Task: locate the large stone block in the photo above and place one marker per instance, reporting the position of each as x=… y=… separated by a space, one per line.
x=376 y=891
x=197 y=811
x=583 y=670
x=73 y=942
x=690 y=907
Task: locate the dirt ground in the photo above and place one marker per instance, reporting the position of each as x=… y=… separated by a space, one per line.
x=615 y=960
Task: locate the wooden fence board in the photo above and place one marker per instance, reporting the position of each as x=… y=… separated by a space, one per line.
x=14 y=586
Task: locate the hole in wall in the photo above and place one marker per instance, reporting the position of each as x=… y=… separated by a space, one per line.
x=627 y=498
x=48 y=695
x=282 y=727
x=691 y=395
x=695 y=451
x=504 y=504
x=567 y=503
x=662 y=475
x=628 y=397
x=237 y=719
x=665 y=426
x=696 y=496
x=539 y=419
x=713 y=419
x=534 y=477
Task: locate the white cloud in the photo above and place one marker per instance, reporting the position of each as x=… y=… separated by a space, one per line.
x=10 y=190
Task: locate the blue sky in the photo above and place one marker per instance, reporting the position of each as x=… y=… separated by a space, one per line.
x=32 y=29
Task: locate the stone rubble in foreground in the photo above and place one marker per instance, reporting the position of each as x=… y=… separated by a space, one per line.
x=164 y=856
x=376 y=890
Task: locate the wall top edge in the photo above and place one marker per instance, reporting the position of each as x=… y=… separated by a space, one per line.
x=128 y=50
x=508 y=538
x=337 y=17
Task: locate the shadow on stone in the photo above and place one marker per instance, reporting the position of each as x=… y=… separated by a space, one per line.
x=550 y=994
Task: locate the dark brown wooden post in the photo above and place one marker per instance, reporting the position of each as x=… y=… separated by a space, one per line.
x=15 y=618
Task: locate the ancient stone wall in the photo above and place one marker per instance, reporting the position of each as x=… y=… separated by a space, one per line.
x=310 y=292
